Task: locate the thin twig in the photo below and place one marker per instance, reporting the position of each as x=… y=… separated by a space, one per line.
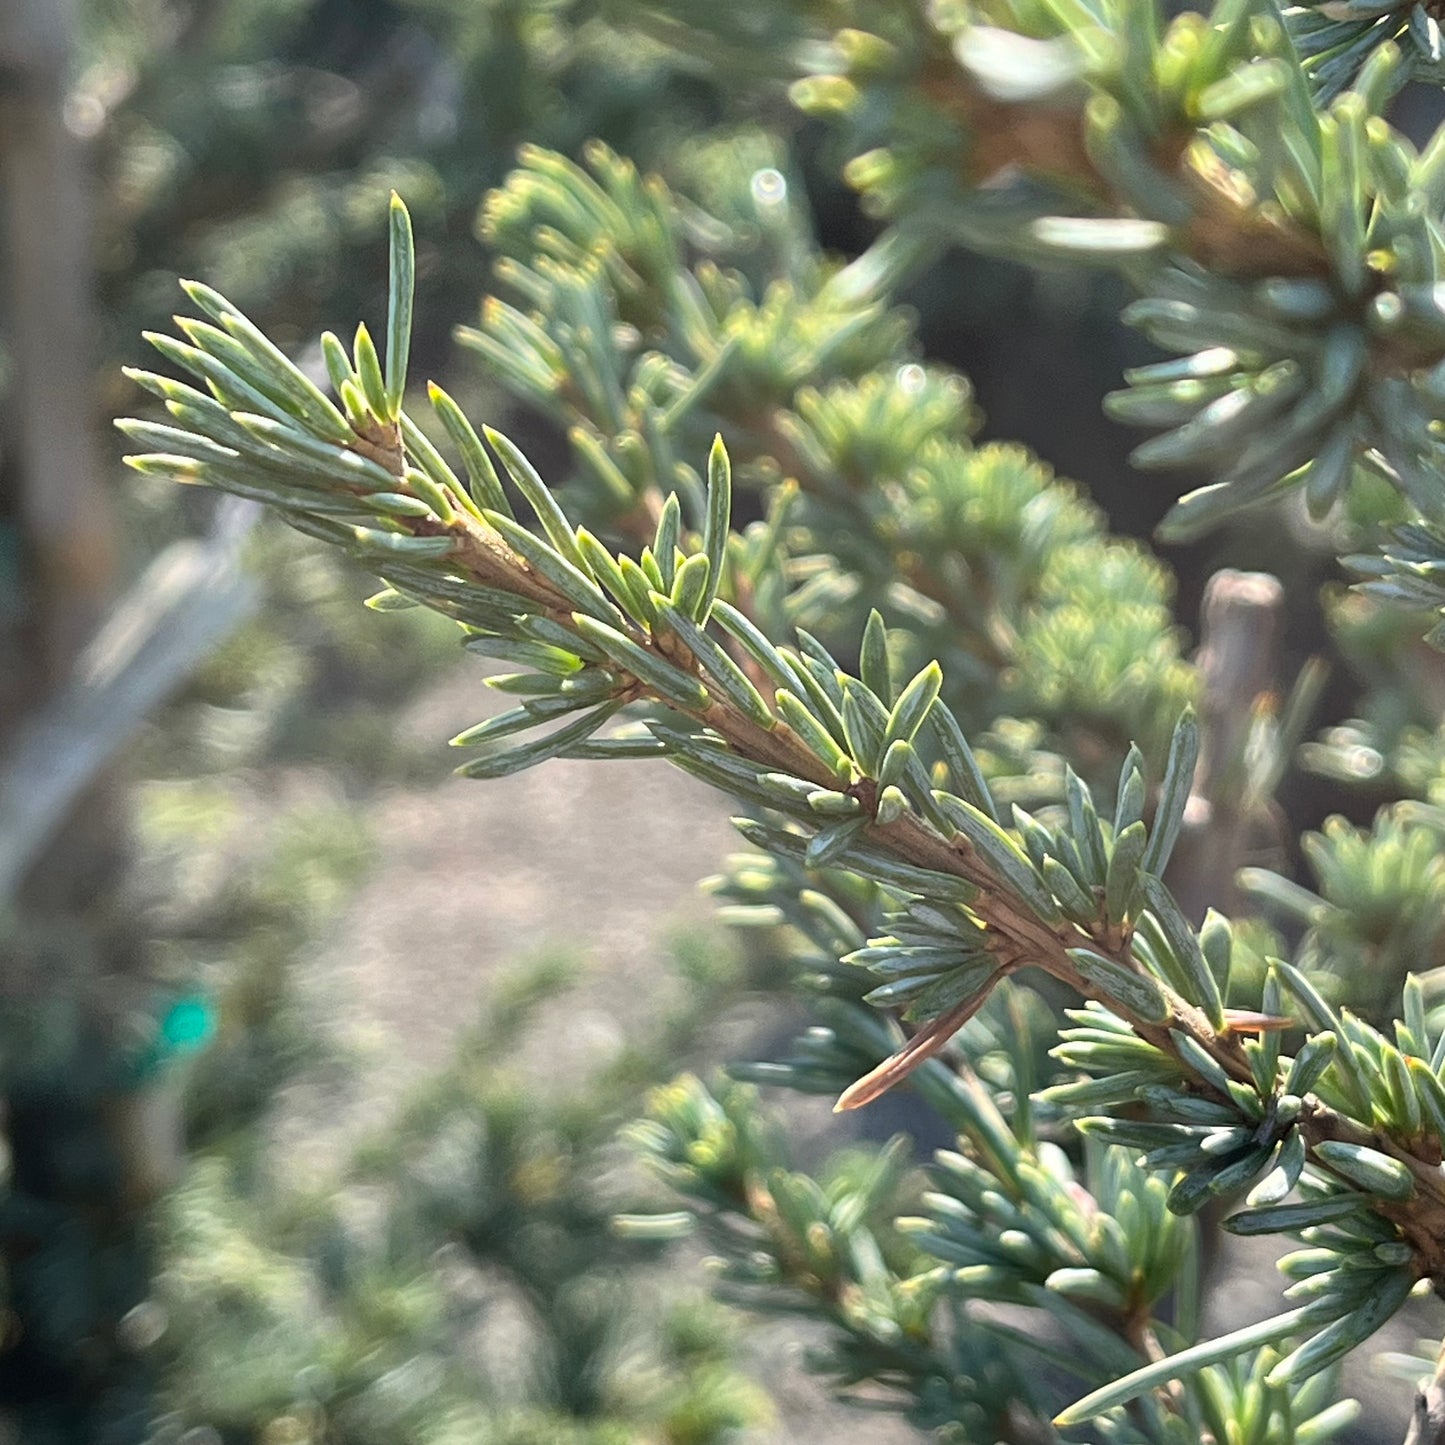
x=1427 y=1422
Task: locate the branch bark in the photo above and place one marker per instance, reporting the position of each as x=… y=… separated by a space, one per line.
x=54 y=492
x=63 y=505
x=1238 y=658
x=190 y=598
x=1427 y=1423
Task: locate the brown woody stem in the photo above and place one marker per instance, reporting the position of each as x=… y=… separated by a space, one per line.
x=1018 y=937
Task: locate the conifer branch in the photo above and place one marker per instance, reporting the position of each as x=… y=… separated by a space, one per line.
x=1000 y=568
x=839 y=777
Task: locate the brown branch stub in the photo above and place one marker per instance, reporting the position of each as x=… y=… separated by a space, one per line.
x=1427 y=1421
x=1238 y=658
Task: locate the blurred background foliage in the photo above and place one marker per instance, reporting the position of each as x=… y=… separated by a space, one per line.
x=254 y=142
